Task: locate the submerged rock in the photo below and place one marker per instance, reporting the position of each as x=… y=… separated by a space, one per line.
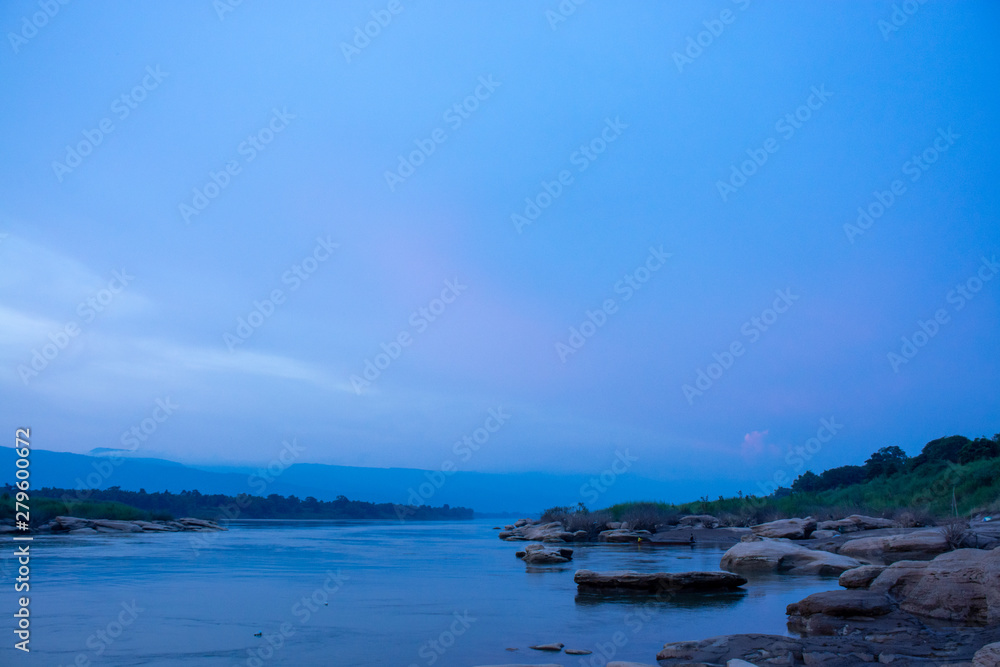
x=657 y=581
x=782 y=556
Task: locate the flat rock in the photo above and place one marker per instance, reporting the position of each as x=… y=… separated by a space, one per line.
x=823 y=534
x=781 y=556
x=658 y=581
x=578 y=651
x=537 y=532
x=856 y=523
x=919 y=545
x=843 y=604
x=791 y=529
x=620 y=535
x=860 y=577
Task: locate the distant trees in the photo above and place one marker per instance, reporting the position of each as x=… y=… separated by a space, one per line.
x=892 y=460
x=211 y=506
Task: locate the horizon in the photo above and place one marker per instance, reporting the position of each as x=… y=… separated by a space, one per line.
x=438 y=248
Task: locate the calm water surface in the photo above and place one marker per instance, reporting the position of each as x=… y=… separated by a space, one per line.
x=198 y=599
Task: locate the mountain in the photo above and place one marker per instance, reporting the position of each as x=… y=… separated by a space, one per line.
x=526 y=493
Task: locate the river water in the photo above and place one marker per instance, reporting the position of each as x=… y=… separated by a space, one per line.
x=407 y=594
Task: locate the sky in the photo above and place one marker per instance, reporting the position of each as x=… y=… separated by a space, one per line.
x=710 y=234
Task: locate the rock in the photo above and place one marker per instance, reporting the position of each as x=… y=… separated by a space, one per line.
x=522 y=522
x=987 y=656
x=860 y=577
x=510 y=664
x=577 y=651
x=685 y=582
x=981 y=535
x=842 y=604
x=82 y=531
x=781 y=556
x=700 y=521
x=962 y=587
x=7 y=529
x=200 y=523
x=548 y=647
x=536 y=554
x=532 y=532
x=623 y=535
x=122 y=526
x=919 y=545
x=736 y=662
x=856 y=523
x=791 y=529
x=823 y=534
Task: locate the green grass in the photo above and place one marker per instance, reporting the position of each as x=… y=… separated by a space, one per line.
x=45 y=509
x=923 y=492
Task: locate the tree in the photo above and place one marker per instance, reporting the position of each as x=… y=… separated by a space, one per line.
x=978 y=449
x=806 y=482
x=842 y=476
x=886 y=461
x=941 y=450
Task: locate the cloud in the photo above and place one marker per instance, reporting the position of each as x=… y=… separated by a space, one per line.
x=754 y=445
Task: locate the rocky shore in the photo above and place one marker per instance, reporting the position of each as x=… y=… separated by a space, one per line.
x=70 y=525
x=909 y=596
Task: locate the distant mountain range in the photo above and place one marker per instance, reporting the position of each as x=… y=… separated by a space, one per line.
x=490 y=493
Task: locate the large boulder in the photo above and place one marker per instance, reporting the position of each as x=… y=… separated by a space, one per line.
x=685 y=582
x=961 y=587
x=791 y=529
x=784 y=556
x=919 y=545
x=855 y=523
x=699 y=521
x=536 y=554
x=987 y=656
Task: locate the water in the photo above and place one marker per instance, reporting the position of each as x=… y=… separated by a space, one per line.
x=392 y=588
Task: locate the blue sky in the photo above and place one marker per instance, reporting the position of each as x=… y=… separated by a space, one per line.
x=642 y=138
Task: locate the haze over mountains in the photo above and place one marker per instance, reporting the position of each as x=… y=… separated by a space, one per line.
x=516 y=493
